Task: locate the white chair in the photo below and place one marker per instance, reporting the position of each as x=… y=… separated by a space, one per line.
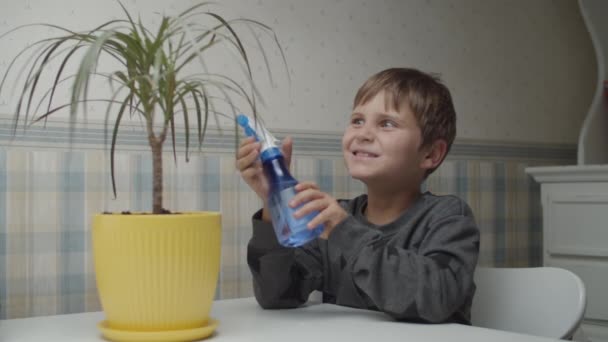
x=542 y=301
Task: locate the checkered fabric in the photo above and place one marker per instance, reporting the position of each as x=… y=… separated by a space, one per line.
x=47 y=198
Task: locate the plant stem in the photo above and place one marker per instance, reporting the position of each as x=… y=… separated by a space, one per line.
x=156 y=145
x=157 y=177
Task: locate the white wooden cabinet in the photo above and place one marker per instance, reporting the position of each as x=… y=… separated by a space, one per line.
x=575 y=233
x=575 y=198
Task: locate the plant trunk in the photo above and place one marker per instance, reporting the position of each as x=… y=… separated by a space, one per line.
x=157 y=177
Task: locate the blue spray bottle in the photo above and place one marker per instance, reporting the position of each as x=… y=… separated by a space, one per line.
x=290 y=232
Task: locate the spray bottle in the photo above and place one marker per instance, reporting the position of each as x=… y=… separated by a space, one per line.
x=290 y=231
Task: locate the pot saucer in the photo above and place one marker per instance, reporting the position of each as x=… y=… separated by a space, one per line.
x=157 y=336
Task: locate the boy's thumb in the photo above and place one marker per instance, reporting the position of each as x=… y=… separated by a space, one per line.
x=287 y=148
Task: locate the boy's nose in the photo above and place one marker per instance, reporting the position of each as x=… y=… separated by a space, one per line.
x=365 y=134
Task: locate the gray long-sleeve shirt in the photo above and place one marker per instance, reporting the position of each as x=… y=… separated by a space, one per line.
x=418 y=268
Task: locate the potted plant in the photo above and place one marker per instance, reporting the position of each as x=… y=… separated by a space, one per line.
x=156 y=272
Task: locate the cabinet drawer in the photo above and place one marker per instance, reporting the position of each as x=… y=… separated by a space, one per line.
x=578 y=225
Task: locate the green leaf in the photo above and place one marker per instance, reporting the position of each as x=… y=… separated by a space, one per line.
x=148 y=74
x=114 y=138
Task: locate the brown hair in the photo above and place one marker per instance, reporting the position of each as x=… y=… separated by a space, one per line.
x=425 y=94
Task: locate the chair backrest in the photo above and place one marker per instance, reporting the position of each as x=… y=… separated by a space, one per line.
x=542 y=301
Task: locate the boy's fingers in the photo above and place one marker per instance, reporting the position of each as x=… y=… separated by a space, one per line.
x=304 y=196
x=287 y=148
x=246 y=149
x=247 y=161
x=246 y=141
x=307 y=185
x=315 y=205
x=321 y=218
x=249 y=173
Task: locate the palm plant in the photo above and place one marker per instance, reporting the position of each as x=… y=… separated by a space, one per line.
x=151 y=77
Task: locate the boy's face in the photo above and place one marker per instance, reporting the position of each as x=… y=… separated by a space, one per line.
x=381 y=146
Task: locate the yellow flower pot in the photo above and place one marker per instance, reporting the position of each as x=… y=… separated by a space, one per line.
x=157 y=274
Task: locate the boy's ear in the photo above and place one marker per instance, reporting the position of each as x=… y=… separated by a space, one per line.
x=434 y=155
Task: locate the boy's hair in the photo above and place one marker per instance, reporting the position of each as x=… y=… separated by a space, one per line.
x=427 y=97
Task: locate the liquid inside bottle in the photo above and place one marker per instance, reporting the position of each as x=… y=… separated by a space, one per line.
x=290 y=231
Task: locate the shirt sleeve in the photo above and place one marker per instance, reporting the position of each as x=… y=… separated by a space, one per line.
x=430 y=282
x=282 y=277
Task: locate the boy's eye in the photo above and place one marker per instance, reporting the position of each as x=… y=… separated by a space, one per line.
x=356 y=121
x=388 y=123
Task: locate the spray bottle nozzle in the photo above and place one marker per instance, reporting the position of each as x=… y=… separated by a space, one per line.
x=243 y=121
x=256 y=129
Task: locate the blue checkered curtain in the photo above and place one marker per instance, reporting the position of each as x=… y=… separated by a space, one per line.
x=47 y=199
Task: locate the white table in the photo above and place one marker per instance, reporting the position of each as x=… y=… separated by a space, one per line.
x=244 y=320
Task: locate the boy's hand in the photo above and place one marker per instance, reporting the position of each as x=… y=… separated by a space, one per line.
x=250 y=166
x=330 y=211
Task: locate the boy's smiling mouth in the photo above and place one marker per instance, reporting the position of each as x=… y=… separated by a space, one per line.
x=364 y=154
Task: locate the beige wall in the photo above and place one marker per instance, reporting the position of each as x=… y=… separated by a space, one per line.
x=520 y=71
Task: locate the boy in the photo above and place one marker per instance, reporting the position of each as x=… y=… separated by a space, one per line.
x=409 y=254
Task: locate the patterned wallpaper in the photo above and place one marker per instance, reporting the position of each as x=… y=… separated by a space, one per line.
x=521 y=74
x=519 y=70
